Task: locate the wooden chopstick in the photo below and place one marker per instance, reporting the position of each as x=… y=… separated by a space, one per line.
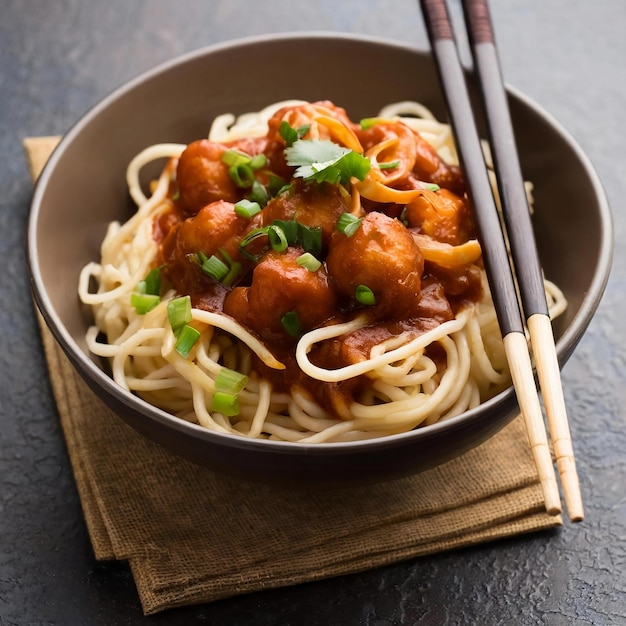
x=522 y=242
x=495 y=255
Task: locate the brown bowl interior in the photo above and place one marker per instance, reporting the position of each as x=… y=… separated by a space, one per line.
x=83 y=188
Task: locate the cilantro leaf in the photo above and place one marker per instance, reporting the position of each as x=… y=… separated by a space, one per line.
x=353 y=164
x=290 y=134
x=325 y=161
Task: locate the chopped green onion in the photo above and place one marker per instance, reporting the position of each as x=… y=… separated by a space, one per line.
x=283 y=233
x=310 y=238
x=277 y=237
x=225 y=272
x=225 y=256
x=242 y=175
x=309 y=262
x=234 y=158
x=215 y=268
x=258 y=161
x=232 y=275
x=152 y=282
x=364 y=295
x=431 y=186
x=225 y=403
x=348 y=224
x=284 y=189
x=185 y=340
x=254 y=234
x=146 y=297
x=290 y=228
x=368 y=122
x=389 y=165
x=230 y=381
x=291 y=323
x=179 y=312
x=248 y=239
x=241 y=164
x=259 y=194
x=276 y=183
x=247 y=209
x=227 y=385
x=144 y=302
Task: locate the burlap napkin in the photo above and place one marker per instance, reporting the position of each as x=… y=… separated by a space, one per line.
x=193 y=536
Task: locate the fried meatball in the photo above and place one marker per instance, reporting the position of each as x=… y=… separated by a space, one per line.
x=215 y=227
x=279 y=285
x=383 y=256
x=202 y=176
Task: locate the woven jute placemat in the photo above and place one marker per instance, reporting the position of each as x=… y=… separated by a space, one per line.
x=193 y=536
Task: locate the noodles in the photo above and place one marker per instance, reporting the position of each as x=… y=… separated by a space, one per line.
x=300 y=277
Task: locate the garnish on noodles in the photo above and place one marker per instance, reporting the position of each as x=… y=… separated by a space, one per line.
x=301 y=276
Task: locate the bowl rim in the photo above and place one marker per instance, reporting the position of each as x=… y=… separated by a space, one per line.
x=96 y=376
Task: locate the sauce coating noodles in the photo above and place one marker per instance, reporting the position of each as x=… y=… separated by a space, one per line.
x=330 y=278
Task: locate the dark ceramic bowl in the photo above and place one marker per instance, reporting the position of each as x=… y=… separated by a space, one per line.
x=83 y=188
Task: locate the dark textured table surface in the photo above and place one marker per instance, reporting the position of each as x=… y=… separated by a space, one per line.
x=59 y=58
